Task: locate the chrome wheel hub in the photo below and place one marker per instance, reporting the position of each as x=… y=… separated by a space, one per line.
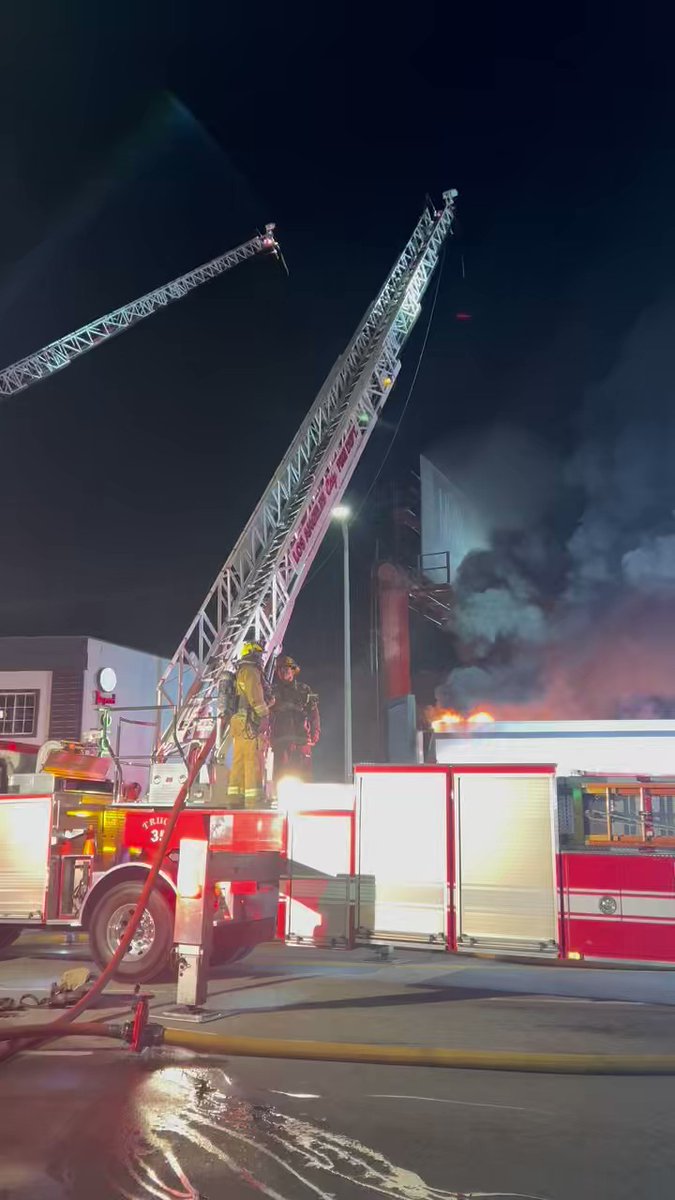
x=143 y=938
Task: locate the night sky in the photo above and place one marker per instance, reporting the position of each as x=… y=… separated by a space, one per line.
x=136 y=146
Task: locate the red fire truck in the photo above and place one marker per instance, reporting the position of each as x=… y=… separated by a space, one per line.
x=72 y=858
x=73 y=852
x=511 y=860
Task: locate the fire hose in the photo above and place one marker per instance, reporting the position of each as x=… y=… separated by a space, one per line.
x=143 y=1035
x=26 y=1035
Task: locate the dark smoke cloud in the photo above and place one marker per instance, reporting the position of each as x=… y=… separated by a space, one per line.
x=583 y=623
x=624 y=464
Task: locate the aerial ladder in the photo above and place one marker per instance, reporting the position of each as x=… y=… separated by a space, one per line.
x=59 y=354
x=254 y=592
x=252 y=596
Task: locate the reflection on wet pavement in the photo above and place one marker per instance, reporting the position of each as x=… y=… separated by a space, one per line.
x=187 y=1135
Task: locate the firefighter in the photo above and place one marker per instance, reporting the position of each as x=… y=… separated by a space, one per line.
x=249 y=730
x=296 y=726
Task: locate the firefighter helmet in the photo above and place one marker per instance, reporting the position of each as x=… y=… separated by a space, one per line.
x=251 y=648
x=289 y=663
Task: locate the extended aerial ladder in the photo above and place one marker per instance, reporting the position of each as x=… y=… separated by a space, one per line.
x=59 y=354
x=255 y=591
x=254 y=595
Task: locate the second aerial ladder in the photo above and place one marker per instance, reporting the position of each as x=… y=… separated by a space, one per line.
x=59 y=354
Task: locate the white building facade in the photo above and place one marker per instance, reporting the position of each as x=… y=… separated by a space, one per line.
x=50 y=688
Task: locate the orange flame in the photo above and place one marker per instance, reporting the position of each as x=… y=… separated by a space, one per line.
x=442 y=720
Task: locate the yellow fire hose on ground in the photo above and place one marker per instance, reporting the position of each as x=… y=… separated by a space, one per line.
x=143 y=1035
x=423 y=1056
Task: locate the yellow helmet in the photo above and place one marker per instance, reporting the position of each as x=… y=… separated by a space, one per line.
x=250 y=648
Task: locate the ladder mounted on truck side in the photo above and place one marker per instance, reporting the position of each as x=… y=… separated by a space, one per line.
x=255 y=591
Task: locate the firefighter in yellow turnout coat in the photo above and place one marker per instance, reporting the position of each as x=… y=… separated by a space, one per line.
x=248 y=728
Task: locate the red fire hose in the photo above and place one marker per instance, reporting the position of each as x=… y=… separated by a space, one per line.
x=56 y=1028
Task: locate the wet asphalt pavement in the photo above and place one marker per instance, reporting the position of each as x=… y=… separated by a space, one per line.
x=86 y=1120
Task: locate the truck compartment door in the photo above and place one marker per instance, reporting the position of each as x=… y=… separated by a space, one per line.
x=506 y=843
x=402 y=856
x=317 y=886
x=25 y=835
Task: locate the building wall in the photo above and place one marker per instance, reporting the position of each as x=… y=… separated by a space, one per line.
x=64 y=671
x=401 y=718
x=40 y=681
x=42 y=653
x=623 y=747
x=65 y=710
x=450 y=523
x=138 y=674
x=54 y=666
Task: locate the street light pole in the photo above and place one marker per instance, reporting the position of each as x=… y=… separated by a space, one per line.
x=348 y=653
x=342 y=514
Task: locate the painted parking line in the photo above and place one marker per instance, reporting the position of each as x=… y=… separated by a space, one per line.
x=383 y=966
x=60 y=1053
x=462 y=1103
x=529 y=998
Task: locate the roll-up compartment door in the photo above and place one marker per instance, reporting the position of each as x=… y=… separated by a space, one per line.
x=318 y=879
x=505 y=868
x=25 y=831
x=402 y=856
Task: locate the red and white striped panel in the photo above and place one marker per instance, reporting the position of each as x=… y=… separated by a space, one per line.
x=619 y=906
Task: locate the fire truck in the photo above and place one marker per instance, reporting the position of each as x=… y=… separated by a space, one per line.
x=482 y=857
x=74 y=848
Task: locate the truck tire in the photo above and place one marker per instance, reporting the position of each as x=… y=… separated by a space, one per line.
x=150 y=951
x=8 y=935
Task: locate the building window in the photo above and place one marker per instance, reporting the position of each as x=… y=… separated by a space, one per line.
x=18 y=713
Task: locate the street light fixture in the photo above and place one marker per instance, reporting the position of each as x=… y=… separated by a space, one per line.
x=342 y=513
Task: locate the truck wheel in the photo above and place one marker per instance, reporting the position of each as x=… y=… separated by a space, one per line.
x=8 y=935
x=150 y=949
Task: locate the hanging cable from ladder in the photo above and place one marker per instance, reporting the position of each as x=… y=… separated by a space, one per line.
x=59 y=354
x=255 y=591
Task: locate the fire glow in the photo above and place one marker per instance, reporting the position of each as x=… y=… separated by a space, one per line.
x=448 y=719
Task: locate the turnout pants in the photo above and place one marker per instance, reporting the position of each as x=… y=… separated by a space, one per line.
x=292 y=758
x=245 y=787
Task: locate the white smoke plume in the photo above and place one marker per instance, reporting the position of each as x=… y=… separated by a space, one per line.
x=577 y=618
